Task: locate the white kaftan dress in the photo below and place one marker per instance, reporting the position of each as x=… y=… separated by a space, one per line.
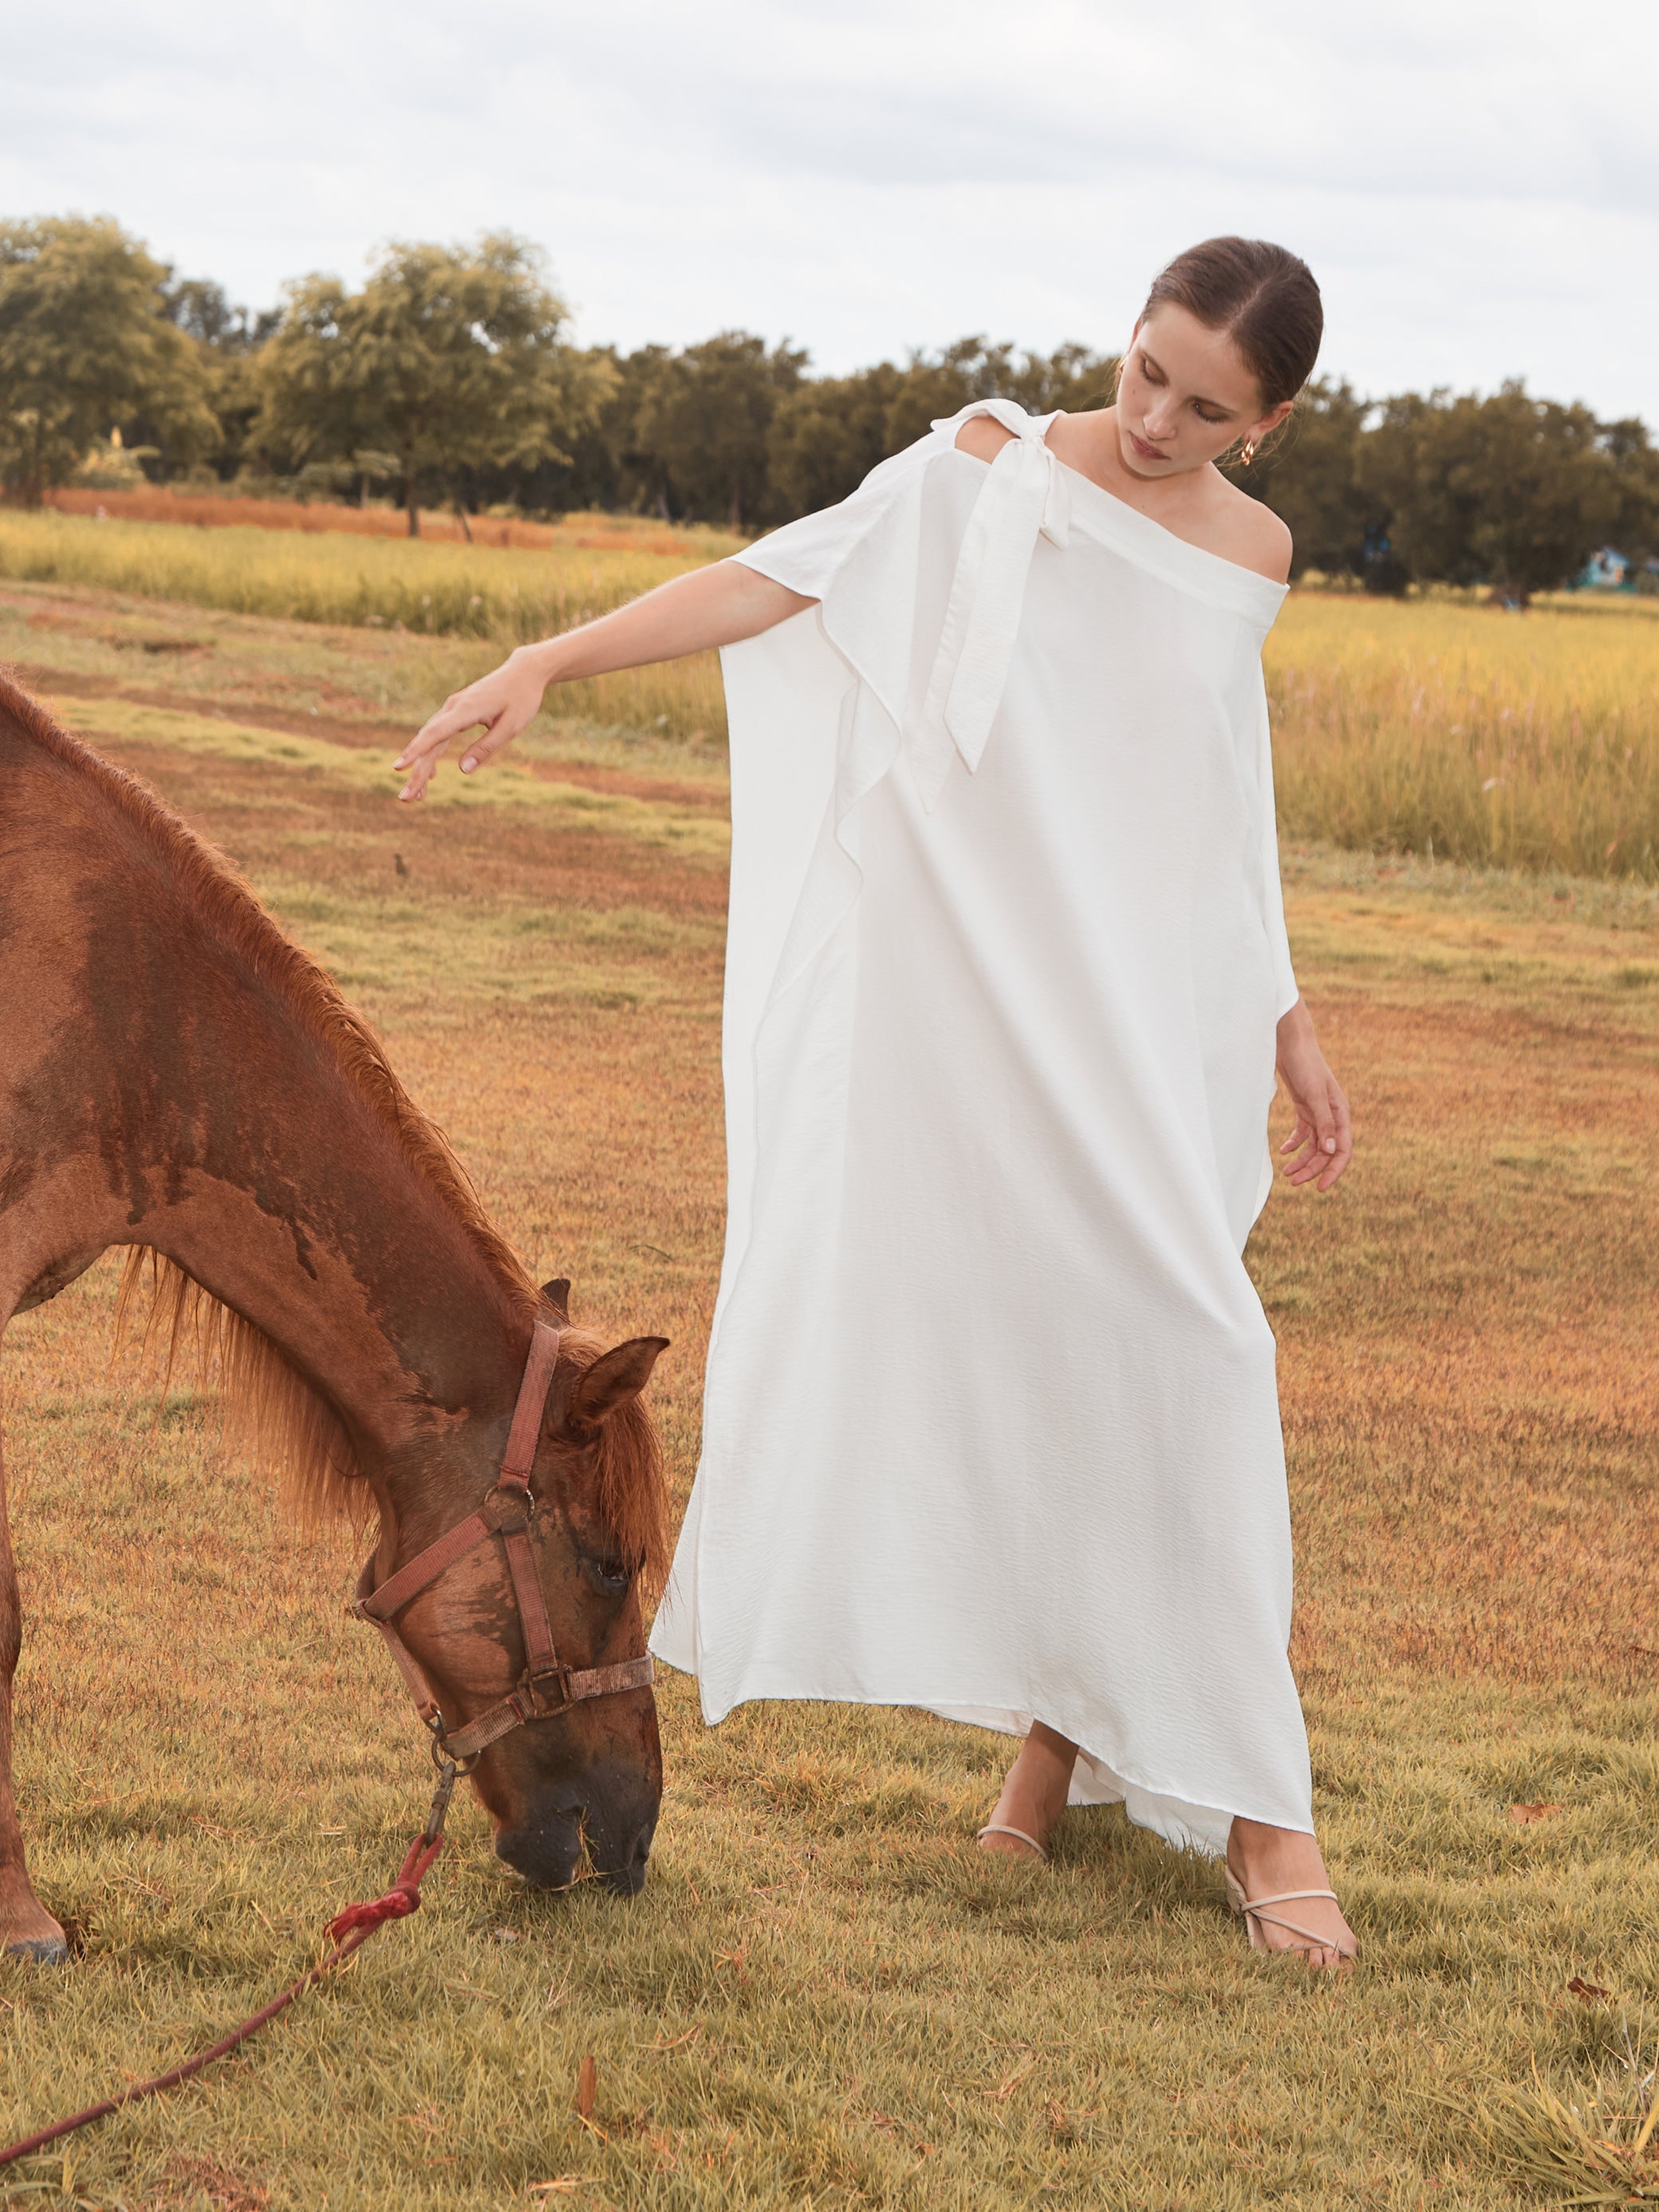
x=991 y=1425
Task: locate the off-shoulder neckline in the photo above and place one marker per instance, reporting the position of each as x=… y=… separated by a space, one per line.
x=1157 y=538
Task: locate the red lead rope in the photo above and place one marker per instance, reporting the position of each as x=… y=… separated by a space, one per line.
x=351 y=1930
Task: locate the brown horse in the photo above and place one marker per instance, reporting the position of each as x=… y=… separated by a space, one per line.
x=176 y=1078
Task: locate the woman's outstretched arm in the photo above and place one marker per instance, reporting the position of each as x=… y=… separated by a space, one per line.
x=712 y=606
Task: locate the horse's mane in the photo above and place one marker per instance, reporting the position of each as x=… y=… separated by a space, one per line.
x=267 y=1404
x=270 y=1412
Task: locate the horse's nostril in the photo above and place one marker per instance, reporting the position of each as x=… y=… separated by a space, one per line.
x=547 y=1851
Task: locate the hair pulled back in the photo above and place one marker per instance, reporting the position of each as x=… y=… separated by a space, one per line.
x=1261 y=296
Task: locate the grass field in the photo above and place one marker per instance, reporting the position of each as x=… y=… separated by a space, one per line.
x=1506 y=740
x=610 y=533
x=825 y=1997
x=1429 y=727
x=445 y=590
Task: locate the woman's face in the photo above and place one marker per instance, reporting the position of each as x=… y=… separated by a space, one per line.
x=1185 y=396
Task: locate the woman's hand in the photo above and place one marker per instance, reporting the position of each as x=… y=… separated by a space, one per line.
x=714 y=605
x=503 y=702
x=1321 y=1142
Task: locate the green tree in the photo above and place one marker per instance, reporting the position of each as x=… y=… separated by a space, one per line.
x=1510 y=490
x=451 y=360
x=941 y=384
x=827 y=435
x=830 y=432
x=1636 y=463
x=86 y=346
x=700 y=433
x=605 y=467
x=228 y=340
x=1309 y=477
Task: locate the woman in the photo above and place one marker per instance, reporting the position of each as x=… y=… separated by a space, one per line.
x=991 y=1424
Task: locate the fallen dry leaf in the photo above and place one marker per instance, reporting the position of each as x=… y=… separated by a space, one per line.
x=1532 y=1812
x=1579 y=1987
x=587 y=2079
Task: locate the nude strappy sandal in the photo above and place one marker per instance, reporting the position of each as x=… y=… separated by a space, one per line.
x=1254 y=1911
x=1000 y=1828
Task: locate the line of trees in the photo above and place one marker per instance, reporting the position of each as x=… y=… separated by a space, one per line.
x=450 y=378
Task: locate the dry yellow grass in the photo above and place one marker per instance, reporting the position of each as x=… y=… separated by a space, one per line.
x=825 y=1997
x=1432 y=726
x=414 y=584
x=1507 y=740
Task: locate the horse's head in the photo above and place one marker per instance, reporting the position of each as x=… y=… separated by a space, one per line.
x=593 y=1769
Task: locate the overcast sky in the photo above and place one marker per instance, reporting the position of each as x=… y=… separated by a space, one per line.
x=1475 y=182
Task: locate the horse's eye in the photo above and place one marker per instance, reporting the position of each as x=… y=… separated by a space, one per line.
x=612 y=1576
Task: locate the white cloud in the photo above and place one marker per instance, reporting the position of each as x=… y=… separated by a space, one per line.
x=1477 y=186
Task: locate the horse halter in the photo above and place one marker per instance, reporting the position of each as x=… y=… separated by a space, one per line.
x=546 y=1686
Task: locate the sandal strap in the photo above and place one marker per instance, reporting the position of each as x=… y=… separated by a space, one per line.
x=1322 y=1943
x=1286 y=1897
x=1001 y=1828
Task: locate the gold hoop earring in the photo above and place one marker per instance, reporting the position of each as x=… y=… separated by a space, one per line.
x=1246 y=451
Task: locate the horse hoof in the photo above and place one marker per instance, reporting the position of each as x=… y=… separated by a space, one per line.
x=40 y=1950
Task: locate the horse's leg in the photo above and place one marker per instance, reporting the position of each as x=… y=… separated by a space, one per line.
x=27 y=1929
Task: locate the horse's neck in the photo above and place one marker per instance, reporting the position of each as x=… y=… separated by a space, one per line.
x=326 y=1240
x=155 y=1090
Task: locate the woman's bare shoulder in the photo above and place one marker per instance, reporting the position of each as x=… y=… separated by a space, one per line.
x=982 y=436
x=1249 y=534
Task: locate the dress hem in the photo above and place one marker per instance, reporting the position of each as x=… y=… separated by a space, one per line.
x=1181 y=1830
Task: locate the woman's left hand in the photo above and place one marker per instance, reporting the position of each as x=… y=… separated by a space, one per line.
x=1321 y=1145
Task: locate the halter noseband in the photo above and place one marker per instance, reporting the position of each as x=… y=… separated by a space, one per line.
x=546 y=1686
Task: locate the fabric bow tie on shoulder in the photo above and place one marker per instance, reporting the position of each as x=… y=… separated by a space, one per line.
x=1024 y=496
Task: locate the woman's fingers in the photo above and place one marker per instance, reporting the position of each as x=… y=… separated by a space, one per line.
x=499 y=735
x=421 y=766
x=459 y=711
x=1305 y=1159
x=491 y=703
x=1321 y=1142
x=1341 y=1149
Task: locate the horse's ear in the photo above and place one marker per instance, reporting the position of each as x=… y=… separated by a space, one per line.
x=614 y=1379
x=557 y=1294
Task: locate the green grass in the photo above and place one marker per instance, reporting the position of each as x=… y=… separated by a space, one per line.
x=825 y=1997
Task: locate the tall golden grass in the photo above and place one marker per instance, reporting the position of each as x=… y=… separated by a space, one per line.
x=448 y=590
x=1429 y=727
x=1528 y=741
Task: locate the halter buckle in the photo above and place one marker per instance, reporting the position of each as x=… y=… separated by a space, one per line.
x=538 y=1707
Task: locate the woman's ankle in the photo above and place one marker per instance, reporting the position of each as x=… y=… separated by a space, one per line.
x=1258 y=1844
x=1036 y=1787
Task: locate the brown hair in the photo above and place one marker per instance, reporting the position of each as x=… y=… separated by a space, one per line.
x=1261 y=296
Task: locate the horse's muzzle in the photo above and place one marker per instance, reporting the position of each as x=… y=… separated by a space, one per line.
x=546 y=1845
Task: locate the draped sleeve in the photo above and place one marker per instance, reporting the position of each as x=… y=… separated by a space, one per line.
x=919 y=579
x=1285 y=989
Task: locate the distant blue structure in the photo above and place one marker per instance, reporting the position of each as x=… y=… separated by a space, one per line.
x=1606 y=571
